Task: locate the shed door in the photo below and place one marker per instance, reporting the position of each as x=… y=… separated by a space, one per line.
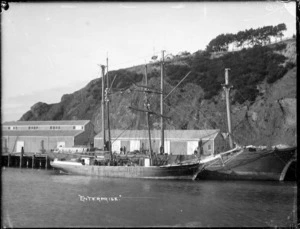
x=191 y=147
x=166 y=146
x=116 y=145
x=5 y=144
x=134 y=145
x=125 y=144
x=20 y=144
x=61 y=144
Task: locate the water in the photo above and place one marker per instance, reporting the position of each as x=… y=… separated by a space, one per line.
x=41 y=198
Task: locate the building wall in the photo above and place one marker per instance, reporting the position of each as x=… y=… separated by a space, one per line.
x=208 y=147
x=156 y=146
x=135 y=145
x=166 y=146
x=221 y=145
x=178 y=147
x=192 y=147
x=145 y=142
x=33 y=144
x=98 y=143
x=52 y=144
x=130 y=145
x=86 y=137
x=126 y=144
x=116 y=145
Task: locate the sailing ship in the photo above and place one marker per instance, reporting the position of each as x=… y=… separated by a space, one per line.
x=240 y=162
x=148 y=167
x=249 y=162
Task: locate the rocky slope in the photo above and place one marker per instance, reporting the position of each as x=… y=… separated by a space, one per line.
x=268 y=120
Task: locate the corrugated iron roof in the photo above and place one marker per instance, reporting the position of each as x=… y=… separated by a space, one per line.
x=38 y=123
x=168 y=134
x=41 y=133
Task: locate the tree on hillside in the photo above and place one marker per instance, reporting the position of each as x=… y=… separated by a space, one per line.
x=251 y=37
x=220 y=43
x=280 y=29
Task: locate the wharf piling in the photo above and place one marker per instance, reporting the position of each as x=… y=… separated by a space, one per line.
x=29 y=160
x=33 y=161
x=21 y=157
x=8 y=160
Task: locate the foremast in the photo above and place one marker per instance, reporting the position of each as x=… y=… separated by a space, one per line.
x=103 y=106
x=147 y=105
x=227 y=88
x=107 y=93
x=162 y=147
x=105 y=103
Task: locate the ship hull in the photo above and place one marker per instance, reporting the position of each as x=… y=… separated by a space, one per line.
x=251 y=165
x=151 y=172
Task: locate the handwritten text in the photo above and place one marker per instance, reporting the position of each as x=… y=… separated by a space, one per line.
x=99 y=199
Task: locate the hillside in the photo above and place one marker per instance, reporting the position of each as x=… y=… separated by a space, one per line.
x=263 y=96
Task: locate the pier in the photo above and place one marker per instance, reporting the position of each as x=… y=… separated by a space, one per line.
x=28 y=160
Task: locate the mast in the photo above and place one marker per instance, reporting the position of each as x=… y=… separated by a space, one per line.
x=162 y=104
x=103 y=106
x=147 y=113
x=226 y=88
x=107 y=106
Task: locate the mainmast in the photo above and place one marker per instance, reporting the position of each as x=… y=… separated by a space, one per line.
x=103 y=107
x=147 y=104
x=227 y=87
x=162 y=104
x=107 y=106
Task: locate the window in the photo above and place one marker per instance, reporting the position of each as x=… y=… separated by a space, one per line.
x=54 y=127
x=209 y=147
x=78 y=127
x=9 y=127
x=32 y=127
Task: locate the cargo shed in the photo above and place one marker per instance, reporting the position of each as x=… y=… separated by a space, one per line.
x=41 y=136
x=177 y=142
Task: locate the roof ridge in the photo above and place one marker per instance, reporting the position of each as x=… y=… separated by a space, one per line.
x=45 y=122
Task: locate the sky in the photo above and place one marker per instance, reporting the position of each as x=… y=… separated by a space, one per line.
x=52 y=49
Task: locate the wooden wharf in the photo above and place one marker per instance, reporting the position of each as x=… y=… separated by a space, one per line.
x=26 y=160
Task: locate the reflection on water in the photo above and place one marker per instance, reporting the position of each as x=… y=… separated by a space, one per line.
x=70 y=179
x=40 y=198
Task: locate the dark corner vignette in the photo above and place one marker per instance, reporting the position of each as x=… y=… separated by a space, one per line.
x=4 y=5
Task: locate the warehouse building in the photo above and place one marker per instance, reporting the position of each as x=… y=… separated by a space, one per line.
x=177 y=142
x=41 y=136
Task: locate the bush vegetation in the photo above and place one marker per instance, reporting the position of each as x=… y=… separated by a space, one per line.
x=251 y=37
x=248 y=67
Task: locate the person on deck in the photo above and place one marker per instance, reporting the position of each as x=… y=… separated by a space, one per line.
x=161 y=150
